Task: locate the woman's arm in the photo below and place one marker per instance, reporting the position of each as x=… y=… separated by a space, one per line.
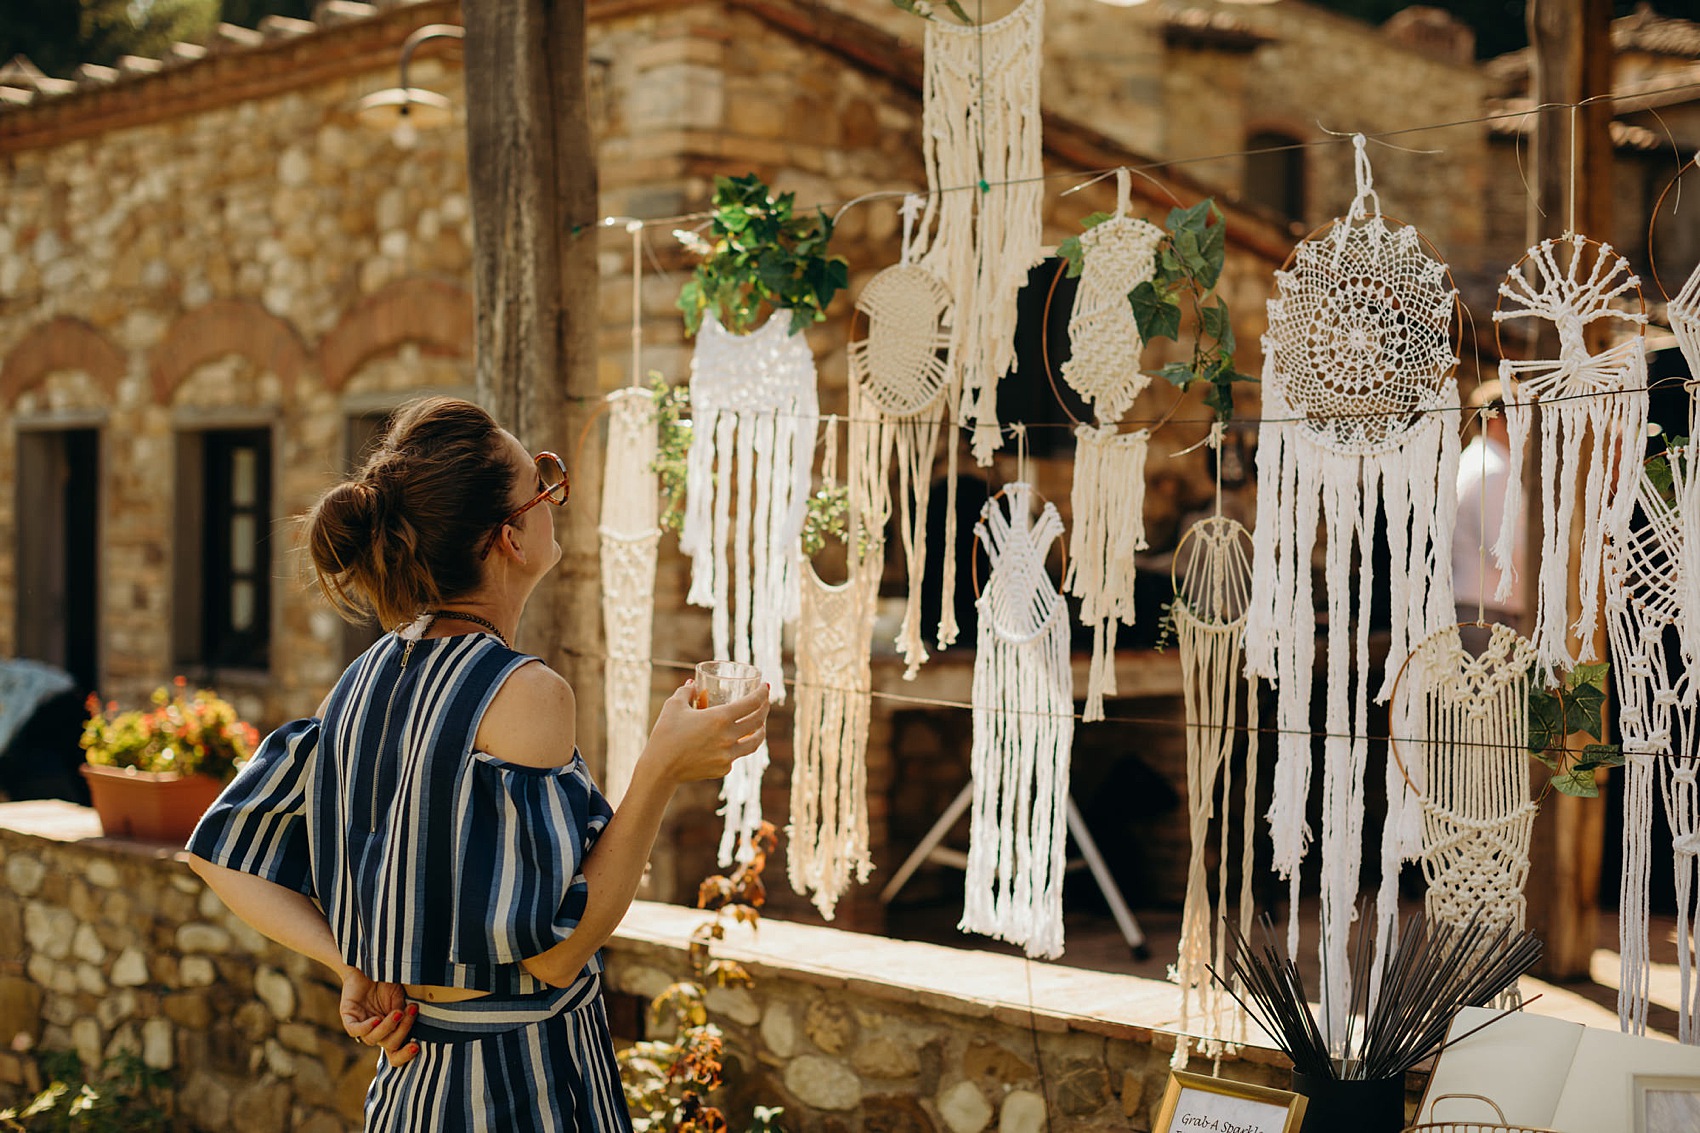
x=687 y=744
x=377 y=1014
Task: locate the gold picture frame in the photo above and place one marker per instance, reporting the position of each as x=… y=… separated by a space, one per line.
x=1193 y=1103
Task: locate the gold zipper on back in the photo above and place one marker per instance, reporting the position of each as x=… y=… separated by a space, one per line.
x=384 y=736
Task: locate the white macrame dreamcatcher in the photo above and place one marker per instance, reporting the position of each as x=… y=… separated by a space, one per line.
x=1023 y=733
x=899 y=372
x=1360 y=427
x=1108 y=498
x=829 y=777
x=1572 y=283
x=981 y=126
x=1648 y=568
x=1683 y=314
x=630 y=534
x=1463 y=722
x=754 y=410
x=1212 y=592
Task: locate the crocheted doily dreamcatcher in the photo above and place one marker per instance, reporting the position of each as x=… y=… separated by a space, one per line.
x=1360 y=423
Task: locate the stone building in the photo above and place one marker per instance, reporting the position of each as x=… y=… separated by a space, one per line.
x=215 y=282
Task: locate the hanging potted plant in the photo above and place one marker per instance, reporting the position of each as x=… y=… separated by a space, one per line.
x=152 y=774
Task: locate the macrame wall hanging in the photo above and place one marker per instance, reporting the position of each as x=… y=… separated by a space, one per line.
x=1683 y=314
x=1360 y=428
x=1108 y=498
x=899 y=373
x=1578 y=286
x=754 y=410
x=1023 y=699
x=981 y=126
x=829 y=776
x=1212 y=593
x=1461 y=737
x=1648 y=567
x=630 y=534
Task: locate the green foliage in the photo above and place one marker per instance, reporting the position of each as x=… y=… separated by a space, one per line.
x=1659 y=469
x=110 y=28
x=673 y=447
x=828 y=515
x=669 y=1083
x=762 y=253
x=926 y=8
x=199 y=734
x=124 y=1096
x=1577 y=705
x=1189 y=266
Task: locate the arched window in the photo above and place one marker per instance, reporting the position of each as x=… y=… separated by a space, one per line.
x=1275 y=178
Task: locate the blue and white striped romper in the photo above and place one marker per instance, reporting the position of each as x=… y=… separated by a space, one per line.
x=438 y=864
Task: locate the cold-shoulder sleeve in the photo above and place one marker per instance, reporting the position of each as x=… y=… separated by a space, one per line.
x=524 y=833
x=259 y=823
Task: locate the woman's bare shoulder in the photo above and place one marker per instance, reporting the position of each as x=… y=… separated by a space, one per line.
x=531 y=720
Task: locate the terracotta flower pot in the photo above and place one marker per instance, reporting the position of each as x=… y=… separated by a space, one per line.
x=149 y=806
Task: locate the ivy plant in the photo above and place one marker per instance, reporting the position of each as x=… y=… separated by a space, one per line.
x=1659 y=469
x=672 y=447
x=1576 y=705
x=1189 y=267
x=761 y=252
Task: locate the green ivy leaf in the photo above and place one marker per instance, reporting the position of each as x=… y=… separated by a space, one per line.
x=1577 y=782
x=1178 y=374
x=1192 y=219
x=1072 y=254
x=1599 y=755
x=1158 y=315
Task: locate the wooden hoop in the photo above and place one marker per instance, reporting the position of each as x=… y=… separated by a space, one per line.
x=1653 y=220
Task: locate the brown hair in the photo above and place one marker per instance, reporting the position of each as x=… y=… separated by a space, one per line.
x=403 y=534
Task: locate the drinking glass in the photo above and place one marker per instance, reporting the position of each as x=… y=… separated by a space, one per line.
x=721 y=682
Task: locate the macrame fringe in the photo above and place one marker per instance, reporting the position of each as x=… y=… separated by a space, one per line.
x=1570 y=391
x=1649 y=563
x=754 y=410
x=1023 y=698
x=630 y=537
x=981 y=125
x=1208 y=617
x=898 y=373
x=1108 y=502
x=1360 y=414
x=829 y=776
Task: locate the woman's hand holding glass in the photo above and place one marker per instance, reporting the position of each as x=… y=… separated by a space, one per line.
x=690 y=743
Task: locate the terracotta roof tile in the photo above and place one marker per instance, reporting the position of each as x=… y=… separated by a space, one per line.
x=95 y=75
x=330 y=13
x=129 y=65
x=285 y=27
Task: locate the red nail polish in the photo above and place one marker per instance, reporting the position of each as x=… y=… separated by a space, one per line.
x=412 y=1009
x=396 y=1018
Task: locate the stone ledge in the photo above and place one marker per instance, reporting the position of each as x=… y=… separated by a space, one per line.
x=934 y=977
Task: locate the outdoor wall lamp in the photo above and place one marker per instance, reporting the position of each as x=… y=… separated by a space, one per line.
x=405 y=110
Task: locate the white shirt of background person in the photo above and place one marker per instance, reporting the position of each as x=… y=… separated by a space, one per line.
x=1484 y=470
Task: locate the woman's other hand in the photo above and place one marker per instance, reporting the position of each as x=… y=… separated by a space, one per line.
x=378 y=1014
x=690 y=743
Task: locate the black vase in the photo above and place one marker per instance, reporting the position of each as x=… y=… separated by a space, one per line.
x=1375 y=1105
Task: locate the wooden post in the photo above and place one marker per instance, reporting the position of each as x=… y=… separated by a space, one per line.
x=1573 y=59
x=532 y=175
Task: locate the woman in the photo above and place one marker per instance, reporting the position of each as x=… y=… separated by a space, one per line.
x=432 y=835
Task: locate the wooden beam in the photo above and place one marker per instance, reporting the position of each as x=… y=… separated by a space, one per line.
x=1573 y=162
x=532 y=177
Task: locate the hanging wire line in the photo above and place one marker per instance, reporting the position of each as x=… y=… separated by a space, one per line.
x=1012 y=428
x=1143 y=721
x=1072 y=174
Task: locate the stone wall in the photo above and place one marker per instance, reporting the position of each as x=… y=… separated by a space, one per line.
x=108 y=946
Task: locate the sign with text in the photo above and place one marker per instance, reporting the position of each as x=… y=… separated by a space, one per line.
x=1196 y=1104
